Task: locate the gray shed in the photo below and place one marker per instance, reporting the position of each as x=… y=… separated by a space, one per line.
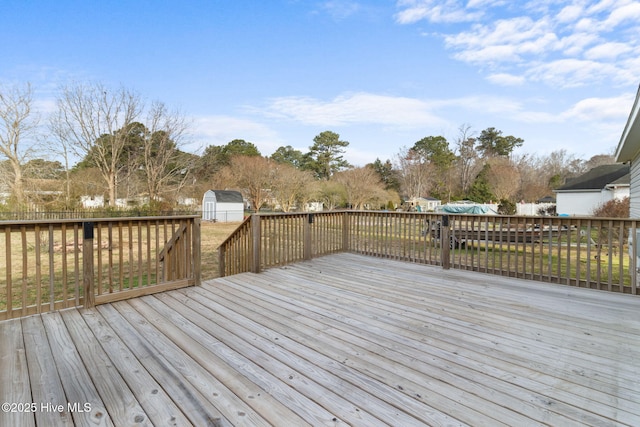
x=223 y=206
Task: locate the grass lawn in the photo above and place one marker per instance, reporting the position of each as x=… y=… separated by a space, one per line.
x=213 y=233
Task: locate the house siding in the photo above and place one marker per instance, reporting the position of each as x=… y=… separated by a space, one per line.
x=580 y=203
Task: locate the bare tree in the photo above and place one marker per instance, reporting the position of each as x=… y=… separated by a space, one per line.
x=503 y=178
x=599 y=160
x=362 y=187
x=414 y=175
x=559 y=165
x=252 y=176
x=331 y=193
x=164 y=168
x=60 y=131
x=86 y=182
x=42 y=182
x=66 y=158
x=18 y=125
x=467 y=157
x=289 y=185
x=94 y=121
x=534 y=182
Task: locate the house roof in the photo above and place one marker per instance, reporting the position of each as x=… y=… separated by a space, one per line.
x=624 y=180
x=629 y=145
x=598 y=178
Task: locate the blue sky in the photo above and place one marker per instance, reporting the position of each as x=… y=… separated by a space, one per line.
x=382 y=74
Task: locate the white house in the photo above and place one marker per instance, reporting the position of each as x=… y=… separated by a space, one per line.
x=314 y=207
x=92 y=201
x=425 y=204
x=628 y=151
x=223 y=206
x=582 y=195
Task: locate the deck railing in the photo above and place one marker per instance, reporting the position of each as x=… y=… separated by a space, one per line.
x=55 y=264
x=585 y=252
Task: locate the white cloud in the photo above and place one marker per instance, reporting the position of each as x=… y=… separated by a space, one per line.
x=357 y=108
x=495 y=105
x=573 y=72
x=601 y=109
x=340 y=9
x=485 y=3
x=505 y=79
x=569 y=14
x=602 y=5
x=586 y=25
x=435 y=11
x=592 y=111
x=575 y=44
x=629 y=12
x=506 y=40
x=607 y=51
x=562 y=44
x=489 y=54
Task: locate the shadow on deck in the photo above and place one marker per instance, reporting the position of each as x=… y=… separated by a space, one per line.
x=341 y=339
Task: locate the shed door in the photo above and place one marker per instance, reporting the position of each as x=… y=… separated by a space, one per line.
x=209 y=212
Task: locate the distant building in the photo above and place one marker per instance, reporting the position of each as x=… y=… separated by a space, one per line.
x=222 y=206
x=582 y=195
x=425 y=204
x=90 y=202
x=314 y=207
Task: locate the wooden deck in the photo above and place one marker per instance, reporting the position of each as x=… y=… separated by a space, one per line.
x=342 y=339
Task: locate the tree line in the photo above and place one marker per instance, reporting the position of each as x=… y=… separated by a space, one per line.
x=129 y=149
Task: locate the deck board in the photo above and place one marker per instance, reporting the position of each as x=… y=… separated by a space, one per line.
x=76 y=381
x=15 y=387
x=46 y=387
x=194 y=404
x=343 y=339
x=409 y=371
x=152 y=397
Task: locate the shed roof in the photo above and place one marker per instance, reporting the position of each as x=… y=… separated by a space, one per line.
x=227 y=196
x=598 y=178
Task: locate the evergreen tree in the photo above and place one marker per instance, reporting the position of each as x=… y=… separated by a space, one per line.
x=325 y=155
x=480 y=191
x=388 y=175
x=491 y=142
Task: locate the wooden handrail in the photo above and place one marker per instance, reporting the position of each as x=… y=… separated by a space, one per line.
x=599 y=253
x=231 y=236
x=54 y=264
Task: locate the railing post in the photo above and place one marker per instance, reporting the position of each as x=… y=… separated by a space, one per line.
x=445 y=243
x=346 y=229
x=306 y=236
x=87 y=265
x=256 y=238
x=222 y=266
x=197 y=252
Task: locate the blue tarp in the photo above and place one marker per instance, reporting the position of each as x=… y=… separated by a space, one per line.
x=473 y=209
